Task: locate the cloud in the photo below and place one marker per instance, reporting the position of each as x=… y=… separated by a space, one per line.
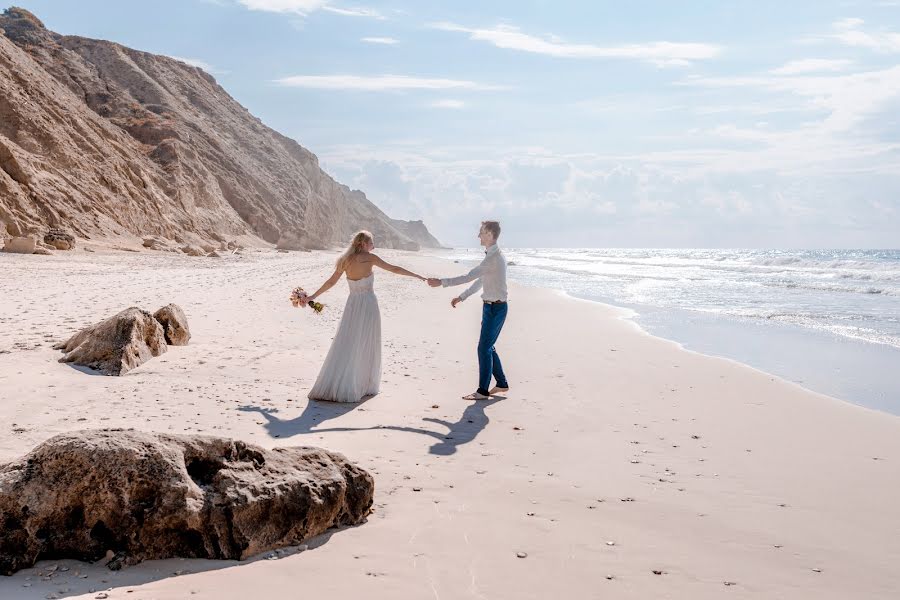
x=389 y=41
x=381 y=83
x=370 y=13
x=662 y=54
x=300 y=7
x=456 y=104
x=701 y=198
x=811 y=65
x=200 y=64
x=306 y=7
x=848 y=98
x=849 y=32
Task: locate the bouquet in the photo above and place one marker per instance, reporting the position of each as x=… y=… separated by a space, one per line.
x=300 y=297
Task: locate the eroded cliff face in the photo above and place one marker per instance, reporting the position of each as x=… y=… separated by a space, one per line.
x=108 y=141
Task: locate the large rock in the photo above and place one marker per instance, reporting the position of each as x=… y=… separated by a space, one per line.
x=118 y=344
x=192 y=250
x=174 y=324
x=59 y=239
x=150 y=496
x=20 y=245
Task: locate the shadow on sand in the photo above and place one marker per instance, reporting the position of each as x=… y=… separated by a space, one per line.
x=64 y=578
x=473 y=420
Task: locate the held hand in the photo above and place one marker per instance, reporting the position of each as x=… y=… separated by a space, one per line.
x=455 y=301
x=434 y=282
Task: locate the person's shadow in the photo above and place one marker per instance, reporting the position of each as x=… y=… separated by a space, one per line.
x=473 y=420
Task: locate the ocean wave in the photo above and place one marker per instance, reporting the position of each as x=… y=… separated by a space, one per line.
x=824 y=287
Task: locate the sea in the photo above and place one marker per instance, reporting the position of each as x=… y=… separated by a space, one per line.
x=828 y=320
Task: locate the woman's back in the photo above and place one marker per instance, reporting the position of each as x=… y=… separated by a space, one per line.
x=359 y=266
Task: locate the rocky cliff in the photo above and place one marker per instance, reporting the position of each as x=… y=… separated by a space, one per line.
x=108 y=141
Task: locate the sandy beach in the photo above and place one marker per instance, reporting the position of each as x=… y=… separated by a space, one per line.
x=618 y=466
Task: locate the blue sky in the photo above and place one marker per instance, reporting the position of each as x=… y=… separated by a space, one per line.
x=653 y=124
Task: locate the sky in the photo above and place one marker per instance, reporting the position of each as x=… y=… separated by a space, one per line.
x=743 y=124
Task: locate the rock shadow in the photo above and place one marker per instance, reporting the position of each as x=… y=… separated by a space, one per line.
x=65 y=578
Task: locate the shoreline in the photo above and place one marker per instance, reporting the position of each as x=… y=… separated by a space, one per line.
x=631 y=315
x=698 y=467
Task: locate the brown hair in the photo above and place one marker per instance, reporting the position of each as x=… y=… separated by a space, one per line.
x=360 y=238
x=493 y=227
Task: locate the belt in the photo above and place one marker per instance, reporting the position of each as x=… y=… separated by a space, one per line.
x=494 y=301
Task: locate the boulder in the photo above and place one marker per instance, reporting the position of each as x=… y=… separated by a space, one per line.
x=155 y=243
x=20 y=245
x=174 y=324
x=214 y=255
x=118 y=344
x=191 y=250
x=145 y=496
x=59 y=239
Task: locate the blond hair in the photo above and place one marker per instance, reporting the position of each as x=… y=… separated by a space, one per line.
x=357 y=246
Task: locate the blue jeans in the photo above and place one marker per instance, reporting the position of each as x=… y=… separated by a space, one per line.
x=492 y=318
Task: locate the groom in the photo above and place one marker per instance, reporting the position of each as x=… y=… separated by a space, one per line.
x=491 y=275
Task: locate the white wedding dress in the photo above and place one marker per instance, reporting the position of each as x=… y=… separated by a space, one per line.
x=352 y=369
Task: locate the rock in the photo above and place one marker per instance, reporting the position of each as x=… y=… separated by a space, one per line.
x=207 y=247
x=174 y=324
x=146 y=496
x=20 y=245
x=43 y=252
x=118 y=344
x=214 y=255
x=155 y=243
x=191 y=250
x=60 y=239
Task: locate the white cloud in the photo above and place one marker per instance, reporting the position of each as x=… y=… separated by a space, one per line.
x=848 y=98
x=355 y=12
x=457 y=104
x=381 y=83
x=300 y=7
x=200 y=64
x=849 y=32
x=659 y=53
x=306 y=7
x=811 y=65
x=850 y=23
x=694 y=198
x=389 y=41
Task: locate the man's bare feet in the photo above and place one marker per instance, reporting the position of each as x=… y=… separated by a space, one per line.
x=476 y=396
x=498 y=390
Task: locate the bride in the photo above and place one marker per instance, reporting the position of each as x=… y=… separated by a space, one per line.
x=352 y=368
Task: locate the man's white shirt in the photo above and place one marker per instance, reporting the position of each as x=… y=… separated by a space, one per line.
x=490 y=275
